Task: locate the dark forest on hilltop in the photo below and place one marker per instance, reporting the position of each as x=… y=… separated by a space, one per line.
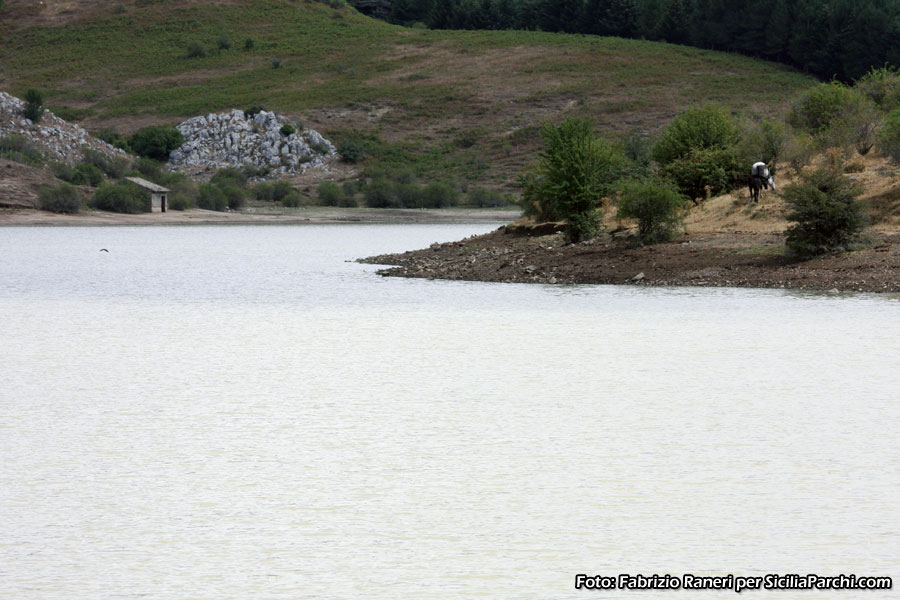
x=839 y=39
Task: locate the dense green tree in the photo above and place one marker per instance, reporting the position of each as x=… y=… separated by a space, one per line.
x=778 y=30
x=34 y=105
x=824 y=211
x=673 y=25
x=574 y=171
x=620 y=18
x=156 y=141
x=829 y=38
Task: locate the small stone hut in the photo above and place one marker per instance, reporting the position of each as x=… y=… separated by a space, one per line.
x=158 y=194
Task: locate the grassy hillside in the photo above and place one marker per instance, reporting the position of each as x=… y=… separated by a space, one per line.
x=451 y=104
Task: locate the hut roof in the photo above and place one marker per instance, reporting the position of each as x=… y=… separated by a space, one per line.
x=148 y=185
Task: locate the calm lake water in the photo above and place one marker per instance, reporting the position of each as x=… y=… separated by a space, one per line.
x=240 y=412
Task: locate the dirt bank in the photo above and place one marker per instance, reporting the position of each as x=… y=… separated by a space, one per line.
x=744 y=259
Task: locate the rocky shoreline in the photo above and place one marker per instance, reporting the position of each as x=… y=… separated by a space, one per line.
x=734 y=259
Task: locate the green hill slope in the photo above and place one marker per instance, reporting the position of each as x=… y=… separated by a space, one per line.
x=451 y=104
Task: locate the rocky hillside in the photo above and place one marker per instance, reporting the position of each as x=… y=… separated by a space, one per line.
x=232 y=139
x=56 y=139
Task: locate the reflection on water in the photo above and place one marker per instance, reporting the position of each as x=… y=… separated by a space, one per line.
x=236 y=412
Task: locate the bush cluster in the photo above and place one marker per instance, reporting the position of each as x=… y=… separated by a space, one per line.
x=655 y=205
x=18 y=149
x=63 y=198
x=703 y=173
x=351 y=151
x=114 y=138
x=484 y=198
x=382 y=192
x=122 y=197
x=889 y=135
x=280 y=191
x=331 y=194
x=226 y=190
x=196 y=50
x=155 y=142
x=707 y=127
x=112 y=166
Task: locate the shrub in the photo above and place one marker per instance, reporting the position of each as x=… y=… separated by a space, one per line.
x=253 y=110
x=281 y=190
x=34 y=105
x=292 y=200
x=229 y=177
x=234 y=196
x=822 y=105
x=409 y=195
x=18 y=149
x=484 y=198
x=656 y=206
x=380 y=194
x=638 y=149
x=438 y=194
x=766 y=141
x=351 y=188
x=888 y=137
x=706 y=172
x=574 y=170
x=113 y=138
x=183 y=194
x=287 y=129
x=251 y=170
x=264 y=192
x=882 y=86
x=703 y=128
x=178 y=202
x=196 y=50
x=351 y=151
x=63 y=171
x=864 y=124
x=347 y=202
x=223 y=42
x=853 y=126
x=122 y=197
x=85 y=173
x=825 y=213
x=114 y=167
x=799 y=150
x=149 y=169
x=62 y=198
x=211 y=197
x=329 y=193
x=156 y=141
x=248 y=44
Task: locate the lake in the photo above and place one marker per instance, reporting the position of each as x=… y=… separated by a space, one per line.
x=244 y=412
